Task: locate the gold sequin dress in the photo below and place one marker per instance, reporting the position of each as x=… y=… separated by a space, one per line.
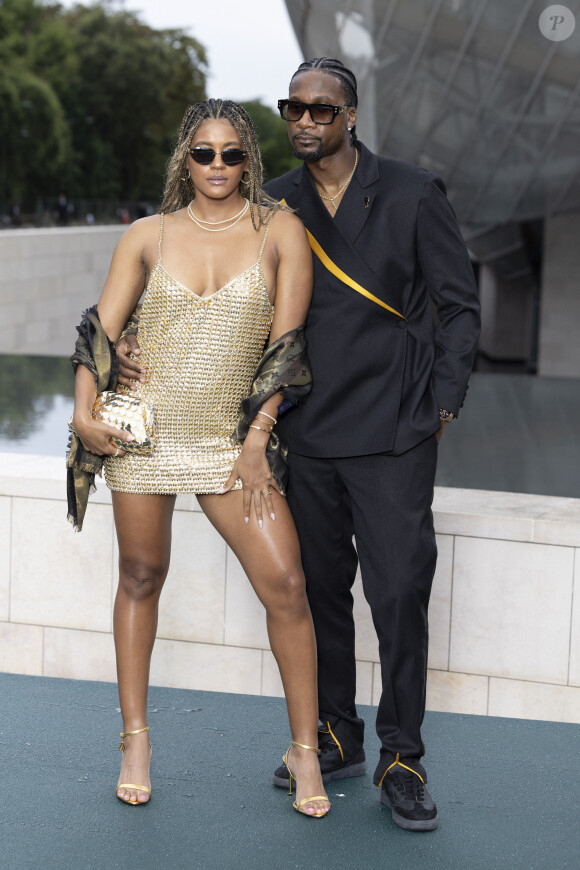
x=200 y=356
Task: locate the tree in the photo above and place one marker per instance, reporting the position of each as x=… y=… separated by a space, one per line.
x=91 y=99
x=35 y=141
x=277 y=155
x=127 y=99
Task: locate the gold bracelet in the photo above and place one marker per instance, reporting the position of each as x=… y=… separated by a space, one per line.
x=269 y=431
x=273 y=419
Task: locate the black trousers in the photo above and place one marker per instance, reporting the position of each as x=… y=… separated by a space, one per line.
x=385 y=502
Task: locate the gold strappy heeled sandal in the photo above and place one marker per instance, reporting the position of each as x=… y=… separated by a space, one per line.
x=319 y=797
x=132 y=784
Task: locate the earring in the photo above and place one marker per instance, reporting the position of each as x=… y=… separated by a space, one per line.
x=248 y=179
x=187 y=177
x=349 y=129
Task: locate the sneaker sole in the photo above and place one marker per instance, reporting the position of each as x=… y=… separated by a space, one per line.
x=343 y=773
x=408 y=824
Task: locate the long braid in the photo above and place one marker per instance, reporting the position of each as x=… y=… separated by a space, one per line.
x=335 y=68
x=179 y=190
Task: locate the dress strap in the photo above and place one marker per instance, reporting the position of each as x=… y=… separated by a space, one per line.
x=160 y=240
x=268 y=222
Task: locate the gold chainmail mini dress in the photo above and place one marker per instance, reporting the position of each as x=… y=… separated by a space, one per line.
x=200 y=356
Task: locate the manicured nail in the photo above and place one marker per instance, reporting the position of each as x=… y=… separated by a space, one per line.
x=273 y=515
x=221 y=491
x=260 y=523
x=130 y=437
x=246 y=520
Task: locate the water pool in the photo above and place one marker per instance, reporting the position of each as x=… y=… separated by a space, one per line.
x=516 y=433
x=36 y=402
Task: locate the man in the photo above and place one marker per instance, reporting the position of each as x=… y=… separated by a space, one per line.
x=363 y=447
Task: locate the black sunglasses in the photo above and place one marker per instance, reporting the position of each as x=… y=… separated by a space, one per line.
x=321 y=113
x=205 y=156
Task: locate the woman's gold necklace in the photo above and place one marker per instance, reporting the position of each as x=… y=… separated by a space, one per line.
x=344 y=186
x=243 y=209
x=231 y=221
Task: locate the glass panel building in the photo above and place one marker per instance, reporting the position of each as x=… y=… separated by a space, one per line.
x=486 y=93
x=471 y=89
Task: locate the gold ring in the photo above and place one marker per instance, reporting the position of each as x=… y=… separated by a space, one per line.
x=117 y=452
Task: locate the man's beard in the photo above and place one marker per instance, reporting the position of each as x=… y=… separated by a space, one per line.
x=308 y=156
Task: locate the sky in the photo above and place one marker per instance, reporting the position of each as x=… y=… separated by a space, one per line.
x=251 y=46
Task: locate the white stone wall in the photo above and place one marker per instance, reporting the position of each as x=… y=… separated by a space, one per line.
x=505 y=611
x=47 y=278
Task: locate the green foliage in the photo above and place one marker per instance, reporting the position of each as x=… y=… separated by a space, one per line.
x=36 y=144
x=35 y=141
x=90 y=99
x=277 y=155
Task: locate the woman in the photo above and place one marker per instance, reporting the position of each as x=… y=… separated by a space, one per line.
x=213 y=263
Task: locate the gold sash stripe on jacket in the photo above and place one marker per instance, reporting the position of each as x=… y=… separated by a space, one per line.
x=342 y=276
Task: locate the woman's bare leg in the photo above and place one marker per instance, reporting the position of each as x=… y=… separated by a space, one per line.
x=143 y=524
x=270 y=557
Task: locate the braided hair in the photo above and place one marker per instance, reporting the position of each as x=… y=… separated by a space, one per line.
x=335 y=68
x=179 y=189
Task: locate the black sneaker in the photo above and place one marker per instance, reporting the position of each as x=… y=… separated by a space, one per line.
x=331 y=765
x=409 y=800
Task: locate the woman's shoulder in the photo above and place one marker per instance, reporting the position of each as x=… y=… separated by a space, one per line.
x=144 y=229
x=284 y=221
x=288 y=235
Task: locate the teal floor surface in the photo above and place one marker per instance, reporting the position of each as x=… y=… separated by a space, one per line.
x=507 y=790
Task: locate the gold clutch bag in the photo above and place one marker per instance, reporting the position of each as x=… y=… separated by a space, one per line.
x=129 y=414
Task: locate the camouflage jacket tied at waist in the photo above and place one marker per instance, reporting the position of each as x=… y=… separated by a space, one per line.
x=283 y=368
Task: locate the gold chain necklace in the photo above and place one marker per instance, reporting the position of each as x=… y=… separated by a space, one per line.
x=231 y=221
x=344 y=186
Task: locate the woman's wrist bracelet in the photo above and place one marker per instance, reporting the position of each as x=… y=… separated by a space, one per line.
x=273 y=419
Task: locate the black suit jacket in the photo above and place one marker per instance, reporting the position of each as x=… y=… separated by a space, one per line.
x=380 y=376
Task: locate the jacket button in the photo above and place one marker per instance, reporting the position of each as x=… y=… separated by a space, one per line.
x=402 y=324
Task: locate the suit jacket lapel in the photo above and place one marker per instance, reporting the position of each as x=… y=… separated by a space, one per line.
x=336 y=235
x=303 y=196
x=358 y=199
